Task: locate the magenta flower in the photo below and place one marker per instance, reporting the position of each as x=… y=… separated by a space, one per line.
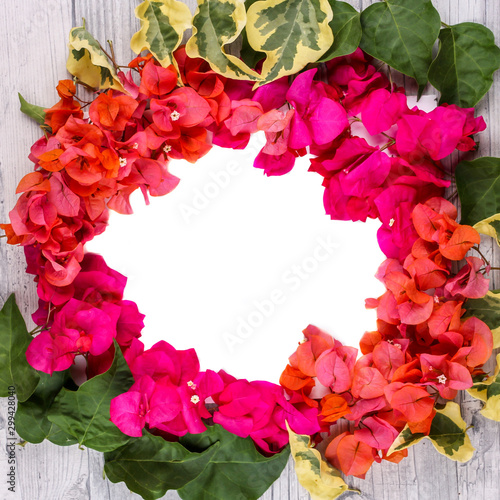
x=318 y=118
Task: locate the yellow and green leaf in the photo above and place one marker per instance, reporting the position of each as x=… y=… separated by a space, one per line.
x=448 y=435
x=480 y=388
x=163 y=23
x=315 y=475
x=489 y=392
x=217 y=23
x=292 y=33
x=88 y=62
x=490 y=227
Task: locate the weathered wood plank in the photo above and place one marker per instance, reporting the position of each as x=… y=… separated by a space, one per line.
x=34 y=41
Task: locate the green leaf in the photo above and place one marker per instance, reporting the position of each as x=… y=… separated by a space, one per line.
x=32 y=110
x=217 y=23
x=448 y=434
x=235 y=470
x=163 y=23
x=314 y=473
x=401 y=33
x=487 y=309
x=478 y=184
x=32 y=424
x=463 y=69
x=293 y=33
x=84 y=413
x=88 y=62
x=150 y=466
x=347 y=32
x=14 y=340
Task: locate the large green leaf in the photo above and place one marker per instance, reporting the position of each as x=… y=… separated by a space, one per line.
x=84 y=413
x=150 y=466
x=487 y=309
x=478 y=184
x=292 y=33
x=322 y=481
x=163 y=22
x=32 y=424
x=402 y=33
x=14 y=340
x=463 y=69
x=346 y=28
x=235 y=470
x=32 y=110
x=217 y=23
x=88 y=62
x=448 y=435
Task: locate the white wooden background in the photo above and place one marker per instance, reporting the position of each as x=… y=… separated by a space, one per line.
x=34 y=49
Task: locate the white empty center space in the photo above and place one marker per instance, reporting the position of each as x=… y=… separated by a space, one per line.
x=237 y=264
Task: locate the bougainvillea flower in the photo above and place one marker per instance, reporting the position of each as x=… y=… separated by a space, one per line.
x=377 y=433
x=156 y=80
x=49 y=352
x=412 y=401
x=448 y=377
x=352 y=456
x=478 y=334
x=382 y=109
x=318 y=118
x=469 y=282
x=333 y=407
x=130 y=411
x=112 y=112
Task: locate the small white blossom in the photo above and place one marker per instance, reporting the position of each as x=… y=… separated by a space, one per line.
x=195 y=399
x=436 y=299
x=390 y=341
x=175 y=115
x=135 y=145
x=192 y=385
x=442 y=379
x=391 y=222
x=167 y=148
x=303 y=341
x=123 y=162
x=398 y=346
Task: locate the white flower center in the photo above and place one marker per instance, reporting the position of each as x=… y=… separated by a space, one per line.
x=391 y=222
x=123 y=162
x=175 y=115
x=442 y=379
x=167 y=148
x=195 y=399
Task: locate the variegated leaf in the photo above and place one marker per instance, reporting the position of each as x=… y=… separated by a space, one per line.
x=448 y=435
x=88 y=62
x=315 y=475
x=163 y=23
x=217 y=23
x=480 y=388
x=293 y=33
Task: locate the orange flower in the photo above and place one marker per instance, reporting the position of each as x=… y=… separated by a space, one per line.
x=333 y=407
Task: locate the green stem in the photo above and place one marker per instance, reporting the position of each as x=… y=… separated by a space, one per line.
x=444 y=25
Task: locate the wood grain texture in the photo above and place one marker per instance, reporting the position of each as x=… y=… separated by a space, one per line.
x=34 y=40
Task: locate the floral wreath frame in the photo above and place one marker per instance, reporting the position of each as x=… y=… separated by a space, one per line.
x=185 y=428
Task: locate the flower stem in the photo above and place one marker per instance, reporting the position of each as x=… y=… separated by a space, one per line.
x=481 y=254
